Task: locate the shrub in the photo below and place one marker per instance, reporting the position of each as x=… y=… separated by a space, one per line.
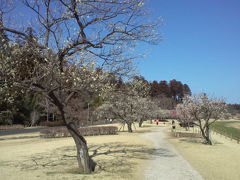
x=85 y=131
x=6 y=118
x=9 y=127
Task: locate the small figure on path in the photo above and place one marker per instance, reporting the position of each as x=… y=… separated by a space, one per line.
x=173 y=124
x=157 y=121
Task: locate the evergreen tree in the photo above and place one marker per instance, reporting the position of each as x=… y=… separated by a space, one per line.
x=164 y=89
x=176 y=88
x=186 y=90
x=154 y=91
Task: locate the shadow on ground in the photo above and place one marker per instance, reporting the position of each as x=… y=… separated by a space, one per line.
x=197 y=141
x=110 y=158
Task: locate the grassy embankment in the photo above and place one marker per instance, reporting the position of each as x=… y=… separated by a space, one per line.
x=121 y=156
x=230 y=129
x=220 y=161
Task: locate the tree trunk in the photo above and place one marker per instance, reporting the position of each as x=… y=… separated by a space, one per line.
x=129 y=125
x=85 y=163
x=206 y=135
x=140 y=123
x=34 y=117
x=187 y=126
x=208 y=139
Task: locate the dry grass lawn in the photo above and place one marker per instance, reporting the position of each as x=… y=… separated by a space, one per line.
x=121 y=156
x=220 y=161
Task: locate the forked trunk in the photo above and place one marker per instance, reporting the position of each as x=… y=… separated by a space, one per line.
x=206 y=135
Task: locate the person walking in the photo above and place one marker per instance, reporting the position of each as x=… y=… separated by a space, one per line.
x=173 y=125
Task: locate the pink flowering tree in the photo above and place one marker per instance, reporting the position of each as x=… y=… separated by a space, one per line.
x=204 y=111
x=183 y=116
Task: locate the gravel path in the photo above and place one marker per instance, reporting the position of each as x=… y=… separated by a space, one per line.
x=168 y=164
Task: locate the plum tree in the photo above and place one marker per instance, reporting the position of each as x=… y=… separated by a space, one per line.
x=62 y=42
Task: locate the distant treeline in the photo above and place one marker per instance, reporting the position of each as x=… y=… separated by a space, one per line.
x=173 y=89
x=167 y=94
x=234 y=108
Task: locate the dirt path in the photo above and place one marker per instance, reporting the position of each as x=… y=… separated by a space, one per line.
x=168 y=164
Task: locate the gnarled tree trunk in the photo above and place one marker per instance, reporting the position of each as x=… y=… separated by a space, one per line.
x=85 y=163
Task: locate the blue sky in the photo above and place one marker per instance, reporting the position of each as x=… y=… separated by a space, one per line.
x=200 y=46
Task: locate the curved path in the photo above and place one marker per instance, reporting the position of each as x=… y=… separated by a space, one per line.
x=168 y=164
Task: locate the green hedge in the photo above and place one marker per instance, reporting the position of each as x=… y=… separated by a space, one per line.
x=85 y=131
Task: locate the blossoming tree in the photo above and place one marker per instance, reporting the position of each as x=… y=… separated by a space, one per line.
x=204 y=111
x=61 y=42
x=128 y=104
